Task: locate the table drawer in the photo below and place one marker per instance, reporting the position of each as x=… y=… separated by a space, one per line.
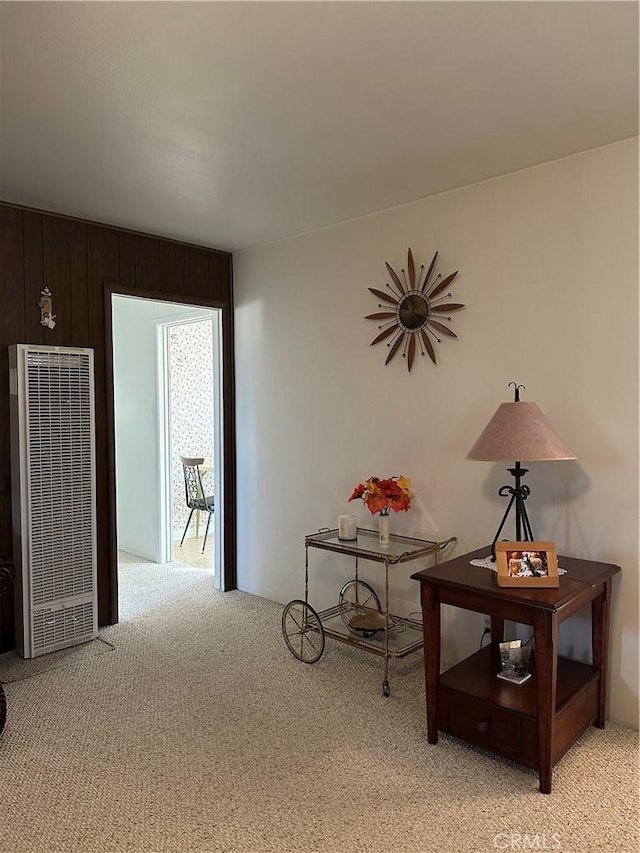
x=485 y=725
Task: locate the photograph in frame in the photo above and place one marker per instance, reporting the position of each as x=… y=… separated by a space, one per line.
x=527 y=564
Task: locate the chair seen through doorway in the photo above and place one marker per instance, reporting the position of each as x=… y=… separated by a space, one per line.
x=195 y=494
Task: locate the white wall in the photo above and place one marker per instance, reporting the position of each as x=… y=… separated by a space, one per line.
x=548 y=261
x=136 y=418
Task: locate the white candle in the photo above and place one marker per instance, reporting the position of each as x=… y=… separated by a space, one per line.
x=347 y=527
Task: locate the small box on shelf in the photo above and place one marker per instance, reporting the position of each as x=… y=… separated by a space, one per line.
x=515 y=662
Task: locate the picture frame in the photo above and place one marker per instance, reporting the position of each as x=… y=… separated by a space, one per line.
x=527 y=564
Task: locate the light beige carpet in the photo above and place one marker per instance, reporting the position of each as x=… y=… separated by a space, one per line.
x=15 y=668
x=201 y=732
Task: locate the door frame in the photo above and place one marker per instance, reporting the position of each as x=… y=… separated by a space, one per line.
x=228 y=570
x=164 y=429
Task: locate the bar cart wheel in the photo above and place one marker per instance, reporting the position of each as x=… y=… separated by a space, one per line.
x=386 y=691
x=302 y=630
x=357 y=596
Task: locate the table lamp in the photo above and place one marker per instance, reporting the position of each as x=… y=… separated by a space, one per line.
x=518 y=431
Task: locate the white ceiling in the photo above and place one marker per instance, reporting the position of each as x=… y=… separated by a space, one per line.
x=233 y=124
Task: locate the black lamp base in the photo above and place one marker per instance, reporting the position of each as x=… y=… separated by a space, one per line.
x=519 y=494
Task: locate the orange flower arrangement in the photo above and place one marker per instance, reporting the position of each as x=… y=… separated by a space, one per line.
x=384 y=495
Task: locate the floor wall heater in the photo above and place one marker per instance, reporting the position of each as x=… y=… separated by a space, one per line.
x=53 y=496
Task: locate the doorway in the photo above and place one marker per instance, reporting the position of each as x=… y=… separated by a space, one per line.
x=190 y=424
x=148 y=474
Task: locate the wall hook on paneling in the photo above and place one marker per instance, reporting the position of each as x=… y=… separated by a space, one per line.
x=47 y=317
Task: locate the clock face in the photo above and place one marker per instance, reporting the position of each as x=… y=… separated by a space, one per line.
x=415 y=309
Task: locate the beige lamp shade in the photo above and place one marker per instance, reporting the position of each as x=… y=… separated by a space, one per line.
x=519 y=431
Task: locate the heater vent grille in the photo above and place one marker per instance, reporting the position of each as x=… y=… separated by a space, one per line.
x=60 y=465
x=56 y=628
x=53 y=496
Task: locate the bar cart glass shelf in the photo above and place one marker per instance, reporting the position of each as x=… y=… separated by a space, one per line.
x=359 y=618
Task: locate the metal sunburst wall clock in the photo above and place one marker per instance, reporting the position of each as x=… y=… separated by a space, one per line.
x=415 y=310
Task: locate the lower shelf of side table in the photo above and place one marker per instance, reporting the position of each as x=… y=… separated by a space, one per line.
x=478 y=707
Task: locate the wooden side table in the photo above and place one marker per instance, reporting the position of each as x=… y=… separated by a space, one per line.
x=534 y=723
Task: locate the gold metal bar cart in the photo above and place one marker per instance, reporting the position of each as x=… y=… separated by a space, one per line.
x=359 y=618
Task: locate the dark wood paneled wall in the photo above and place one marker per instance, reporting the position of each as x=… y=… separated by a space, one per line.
x=82 y=263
